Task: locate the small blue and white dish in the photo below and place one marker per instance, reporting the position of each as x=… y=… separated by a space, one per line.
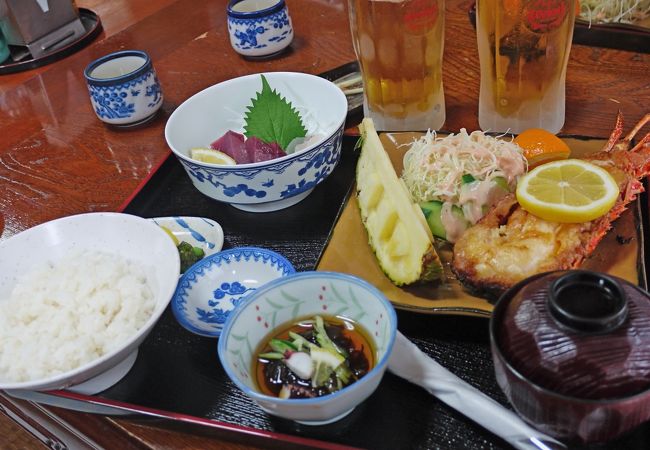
x=124 y=89
x=198 y=231
x=259 y=28
x=213 y=287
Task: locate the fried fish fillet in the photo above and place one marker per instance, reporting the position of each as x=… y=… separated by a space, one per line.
x=509 y=244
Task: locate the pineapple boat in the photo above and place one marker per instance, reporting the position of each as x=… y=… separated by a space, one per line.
x=397 y=230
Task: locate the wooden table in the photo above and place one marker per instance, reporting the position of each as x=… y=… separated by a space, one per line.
x=57 y=159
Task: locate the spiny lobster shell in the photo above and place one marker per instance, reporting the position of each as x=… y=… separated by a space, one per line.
x=508 y=244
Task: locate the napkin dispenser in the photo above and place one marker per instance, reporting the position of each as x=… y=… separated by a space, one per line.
x=40 y=26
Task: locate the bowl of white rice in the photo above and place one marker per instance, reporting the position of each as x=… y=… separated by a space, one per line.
x=78 y=295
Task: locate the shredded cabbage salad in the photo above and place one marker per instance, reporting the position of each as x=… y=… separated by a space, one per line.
x=614 y=11
x=434 y=167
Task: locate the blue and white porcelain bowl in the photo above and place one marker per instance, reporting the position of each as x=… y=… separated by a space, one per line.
x=268 y=185
x=298 y=296
x=259 y=27
x=213 y=287
x=124 y=89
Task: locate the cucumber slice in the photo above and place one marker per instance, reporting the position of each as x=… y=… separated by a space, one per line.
x=271 y=355
x=432 y=212
x=502 y=183
x=467 y=178
x=298 y=341
x=281 y=346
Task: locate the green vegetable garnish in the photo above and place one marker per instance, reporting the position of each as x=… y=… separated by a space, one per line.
x=272 y=355
x=467 y=178
x=359 y=144
x=282 y=346
x=312 y=354
x=298 y=340
x=189 y=255
x=326 y=361
x=324 y=340
x=272 y=118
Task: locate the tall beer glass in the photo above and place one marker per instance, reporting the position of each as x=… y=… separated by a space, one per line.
x=399 y=45
x=523 y=49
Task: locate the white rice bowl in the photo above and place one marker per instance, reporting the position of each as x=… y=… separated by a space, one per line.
x=78 y=295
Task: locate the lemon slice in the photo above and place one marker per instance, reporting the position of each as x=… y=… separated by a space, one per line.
x=211 y=156
x=569 y=191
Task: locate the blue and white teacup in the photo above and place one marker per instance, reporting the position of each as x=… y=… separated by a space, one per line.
x=259 y=28
x=124 y=89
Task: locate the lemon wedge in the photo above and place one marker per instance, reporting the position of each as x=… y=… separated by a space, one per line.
x=211 y=156
x=170 y=234
x=569 y=191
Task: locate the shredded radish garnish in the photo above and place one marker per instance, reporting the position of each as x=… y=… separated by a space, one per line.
x=614 y=11
x=434 y=167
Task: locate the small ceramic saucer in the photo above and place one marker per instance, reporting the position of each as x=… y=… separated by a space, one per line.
x=197 y=231
x=211 y=289
x=106 y=379
x=93 y=385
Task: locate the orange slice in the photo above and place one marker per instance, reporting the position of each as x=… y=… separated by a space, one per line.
x=541 y=146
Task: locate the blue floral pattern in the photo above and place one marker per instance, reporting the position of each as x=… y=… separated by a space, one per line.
x=205 y=312
x=305 y=171
x=235 y=292
x=155 y=92
x=119 y=101
x=262 y=32
x=198 y=231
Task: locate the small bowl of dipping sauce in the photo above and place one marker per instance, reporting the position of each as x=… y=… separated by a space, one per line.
x=124 y=89
x=309 y=347
x=259 y=28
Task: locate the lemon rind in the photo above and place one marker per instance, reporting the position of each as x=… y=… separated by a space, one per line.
x=558 y=212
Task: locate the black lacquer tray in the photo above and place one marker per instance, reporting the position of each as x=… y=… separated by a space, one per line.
x=178 y=377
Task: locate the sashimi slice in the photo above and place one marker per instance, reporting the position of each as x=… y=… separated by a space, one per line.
x=259 y=150
x=233 y=145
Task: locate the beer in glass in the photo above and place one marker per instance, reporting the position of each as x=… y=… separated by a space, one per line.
x=523 y=49
x=399 y=45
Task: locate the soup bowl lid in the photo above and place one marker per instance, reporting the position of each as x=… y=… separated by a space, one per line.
x=577 y=333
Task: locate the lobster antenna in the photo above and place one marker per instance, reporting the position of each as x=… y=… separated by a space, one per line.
x=616 y=133
x=640 y=124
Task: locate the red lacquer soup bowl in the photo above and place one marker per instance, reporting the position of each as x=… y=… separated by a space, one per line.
x=571 y=352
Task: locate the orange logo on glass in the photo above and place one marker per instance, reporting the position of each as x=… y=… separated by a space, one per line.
x=545 y=15
x=420 y=15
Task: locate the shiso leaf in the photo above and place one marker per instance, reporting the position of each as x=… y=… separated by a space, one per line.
x=272 y=118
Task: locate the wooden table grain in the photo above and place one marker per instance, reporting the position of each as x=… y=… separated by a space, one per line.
x=57 y=159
